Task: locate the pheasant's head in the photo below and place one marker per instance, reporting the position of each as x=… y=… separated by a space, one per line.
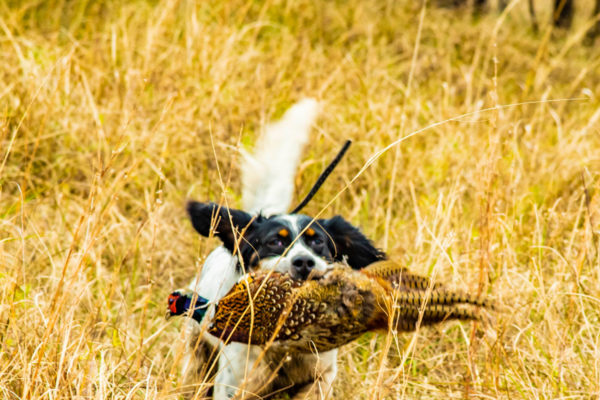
x=181 y=301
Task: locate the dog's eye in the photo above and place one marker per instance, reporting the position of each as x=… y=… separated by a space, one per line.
x=276 y=242
x=317 y=242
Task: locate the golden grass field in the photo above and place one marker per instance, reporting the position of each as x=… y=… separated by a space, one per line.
x=113 y=113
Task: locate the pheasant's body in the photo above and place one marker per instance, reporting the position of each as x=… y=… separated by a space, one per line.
x=326 y=313
x=317 y=314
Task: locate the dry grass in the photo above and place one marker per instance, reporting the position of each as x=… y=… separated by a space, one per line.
x=107 y=112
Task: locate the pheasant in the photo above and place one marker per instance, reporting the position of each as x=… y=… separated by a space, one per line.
x=330 y=310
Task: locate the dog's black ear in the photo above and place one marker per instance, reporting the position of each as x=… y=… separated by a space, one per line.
x=226 y=221
x=347 y=242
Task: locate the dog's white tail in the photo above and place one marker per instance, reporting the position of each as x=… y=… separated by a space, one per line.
x=268 y=174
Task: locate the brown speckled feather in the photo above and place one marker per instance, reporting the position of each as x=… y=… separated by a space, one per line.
x=335 y=309
x=251 y=311
x=400 y=277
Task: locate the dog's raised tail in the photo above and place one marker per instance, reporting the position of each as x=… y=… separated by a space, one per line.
x=268 y=173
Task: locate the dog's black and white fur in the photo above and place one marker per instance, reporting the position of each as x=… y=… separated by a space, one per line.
x=266 y=237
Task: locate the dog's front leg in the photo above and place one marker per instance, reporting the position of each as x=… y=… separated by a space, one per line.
x=238 y=376
x=325 y=372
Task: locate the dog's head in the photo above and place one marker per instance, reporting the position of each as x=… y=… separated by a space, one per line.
x=294 y=243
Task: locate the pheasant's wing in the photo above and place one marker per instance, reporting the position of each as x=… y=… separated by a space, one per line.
x=334 y=310
x=399 y=276
x=269 y=306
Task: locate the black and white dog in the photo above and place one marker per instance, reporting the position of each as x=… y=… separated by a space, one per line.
x=266 y=236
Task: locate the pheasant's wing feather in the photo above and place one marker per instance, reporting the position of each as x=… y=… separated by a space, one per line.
x=250 y=312
x=399 y=276
x=334 y=310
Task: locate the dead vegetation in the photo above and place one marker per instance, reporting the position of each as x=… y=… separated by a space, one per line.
x=113 y=113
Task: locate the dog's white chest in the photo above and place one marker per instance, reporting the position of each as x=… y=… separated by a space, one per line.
x=218 y=275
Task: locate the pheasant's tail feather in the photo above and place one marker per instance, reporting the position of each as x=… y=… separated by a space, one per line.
x=407 y=317
x=449 y=298
x=384 y=268
x=438 y=297
x=408 y=281
x=399 y=276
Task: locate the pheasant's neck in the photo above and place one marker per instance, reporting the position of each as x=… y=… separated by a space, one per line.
x=199 y=308
x=199 y=314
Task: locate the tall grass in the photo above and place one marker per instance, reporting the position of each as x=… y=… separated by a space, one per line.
x=108 y=112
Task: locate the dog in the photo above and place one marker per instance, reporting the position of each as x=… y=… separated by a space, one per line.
x=266 y=236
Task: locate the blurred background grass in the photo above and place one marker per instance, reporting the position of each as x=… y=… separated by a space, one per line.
x=109 y=112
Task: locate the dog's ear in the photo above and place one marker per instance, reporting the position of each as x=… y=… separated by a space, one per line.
x=227 y=222
x=347 y=242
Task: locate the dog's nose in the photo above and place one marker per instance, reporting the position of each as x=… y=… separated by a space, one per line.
x=303 y=265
